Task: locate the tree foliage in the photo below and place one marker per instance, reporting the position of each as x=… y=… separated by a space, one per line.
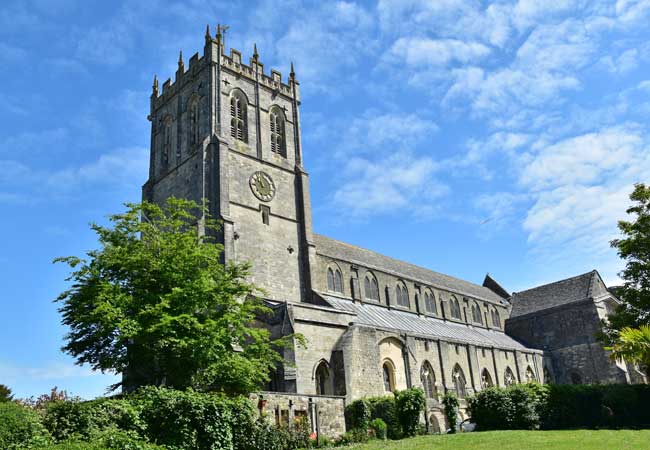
x=156 y=303
x=634 y=248
x=633 y=345
x=5 y=394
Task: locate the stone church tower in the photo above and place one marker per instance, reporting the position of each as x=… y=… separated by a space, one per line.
x=226 y=132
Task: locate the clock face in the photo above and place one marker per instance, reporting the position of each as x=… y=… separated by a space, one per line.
x=262 y=186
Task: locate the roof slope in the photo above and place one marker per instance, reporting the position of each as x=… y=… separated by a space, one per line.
x=363 y=257
x=403 y=321
x=495 y=287
x=561 y=292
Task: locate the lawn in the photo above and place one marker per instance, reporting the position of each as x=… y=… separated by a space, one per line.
x=523 y=440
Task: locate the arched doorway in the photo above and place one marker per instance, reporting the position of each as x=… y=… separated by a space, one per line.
x=323 y=379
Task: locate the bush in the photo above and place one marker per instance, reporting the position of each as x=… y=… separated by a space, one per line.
x=451 y=403
x=20 y=428
x=490 y=409
x=560 y=406
x=116 y=439
x=357 y=415
x=410 y=404
x=384 y=408
x=379 y=428
x=353 y=436
x=185 y=420
x=74 y=419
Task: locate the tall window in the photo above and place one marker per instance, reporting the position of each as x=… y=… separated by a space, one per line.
x=486 y=379
x=496 y=320
x=428 y=379
x=476 y=314
x=371 y=287
x=454 y=306
x=530 y=375
x=509 y=378
x=334 y=280
x=547 y=376
x=459 y=381
x=430 y=303
x=278 y=144
x=323 y=383
x=167 y=141
x=238 y=117
x=402 y=295
x=194 y=122
x=388 y=371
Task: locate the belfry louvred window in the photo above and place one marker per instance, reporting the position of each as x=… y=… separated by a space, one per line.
x=278 y=144
x=238 y=117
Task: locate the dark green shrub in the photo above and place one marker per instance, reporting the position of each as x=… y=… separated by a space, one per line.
x=20 y=428
x=490 y=409
x=384 y=408
x=116 y=439
x=409 y=406
x=524 y=408
x=74 y=419
x=353 y=436
x=185 y=420
x=357 y=415
x=451 y=403
x=379 y=428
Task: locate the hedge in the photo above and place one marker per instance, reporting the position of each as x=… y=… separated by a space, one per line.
x=20 y=428
x=551 y=407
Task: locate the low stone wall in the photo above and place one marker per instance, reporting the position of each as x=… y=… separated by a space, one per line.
x=325 y=414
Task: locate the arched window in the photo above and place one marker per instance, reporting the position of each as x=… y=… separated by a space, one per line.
x=194 y=121
x=459 y=381
x=454 y=306
x=430 y=303
x=323 y=380
x=530 y=375
x=486 y=379
x=402 y=295
x=371 y=287
x=428 y=378
x=476 y=314
x=238 y=117
x=547 y=376
x=334 y=280
x=167 y=141
x=509 y=378
x=278 y=144
x=496 y=320
x=388 y=370
x=576 y=378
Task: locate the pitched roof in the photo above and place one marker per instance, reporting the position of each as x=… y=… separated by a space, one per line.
x=403 y=321
x=561 y=292
x=367 y=258
x=495 y=287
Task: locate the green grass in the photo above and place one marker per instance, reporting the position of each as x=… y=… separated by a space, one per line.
x=523 y=440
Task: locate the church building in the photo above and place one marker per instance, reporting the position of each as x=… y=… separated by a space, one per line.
x=226 y=131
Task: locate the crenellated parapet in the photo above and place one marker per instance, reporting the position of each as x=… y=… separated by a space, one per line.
x=214 y=53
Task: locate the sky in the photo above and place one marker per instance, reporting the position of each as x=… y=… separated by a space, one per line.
x=464 y=136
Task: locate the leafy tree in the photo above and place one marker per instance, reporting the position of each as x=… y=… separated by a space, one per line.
x=633 y=345
x=156 y=304
x=5 y=394
x=634 y=248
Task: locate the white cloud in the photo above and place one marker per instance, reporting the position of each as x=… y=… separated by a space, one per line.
x=120 y=169
x=419 y=52
x=397 y=184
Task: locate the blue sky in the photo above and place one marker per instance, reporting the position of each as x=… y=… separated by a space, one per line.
x=464 y=136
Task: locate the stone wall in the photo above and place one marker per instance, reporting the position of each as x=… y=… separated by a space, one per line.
x=325 y=414
x=416 y=292
x=567 y=334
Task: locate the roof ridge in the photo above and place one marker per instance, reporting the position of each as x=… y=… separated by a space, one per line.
x=554 y=282
x=404 y=262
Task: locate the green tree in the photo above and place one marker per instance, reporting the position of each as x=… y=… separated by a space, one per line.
x=634 y=248
x=5 y=394
x=633 y=345
x=156 y=304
